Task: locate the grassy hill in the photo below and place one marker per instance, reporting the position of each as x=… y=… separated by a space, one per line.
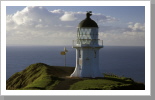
x=44 y=77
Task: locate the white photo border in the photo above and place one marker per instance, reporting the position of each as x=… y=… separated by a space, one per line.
x=145 y=92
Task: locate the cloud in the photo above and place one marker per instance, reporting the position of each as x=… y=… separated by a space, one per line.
x=30 y=15
x=123 y=39
x=133 y=34
x=138 y=27
x=68 y=17
x=57 y=11
x=36 y=25
x=105 y=19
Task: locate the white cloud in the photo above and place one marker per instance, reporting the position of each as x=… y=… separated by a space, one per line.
x=68 y=17
x=69 y=26
x=137 y=27
x=38 y=26
x=133 y=35
x=58 y=11
x=102 y=19
x=123 y=39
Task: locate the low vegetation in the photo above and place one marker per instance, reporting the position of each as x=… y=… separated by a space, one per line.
x=37 y=77
x=44 y=77
x=109 y=82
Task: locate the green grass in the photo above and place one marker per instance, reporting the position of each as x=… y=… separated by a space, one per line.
x=91 y=84
x=33 y=77
x=44 y=77
x=46 y=82
x=109 y=82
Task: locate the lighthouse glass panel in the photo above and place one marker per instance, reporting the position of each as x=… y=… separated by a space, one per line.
x=87 y=36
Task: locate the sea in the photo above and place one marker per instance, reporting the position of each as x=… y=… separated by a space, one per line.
x=127 y=61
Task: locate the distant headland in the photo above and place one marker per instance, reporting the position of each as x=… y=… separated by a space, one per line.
x=41 y=76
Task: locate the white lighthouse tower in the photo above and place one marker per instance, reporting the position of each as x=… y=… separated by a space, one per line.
x=87 y=49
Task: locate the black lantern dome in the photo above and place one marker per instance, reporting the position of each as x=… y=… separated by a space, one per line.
x=88 y=22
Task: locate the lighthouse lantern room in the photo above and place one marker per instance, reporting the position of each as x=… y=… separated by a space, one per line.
x=87 y=49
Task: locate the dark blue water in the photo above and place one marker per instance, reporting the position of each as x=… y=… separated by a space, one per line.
x=125 y=61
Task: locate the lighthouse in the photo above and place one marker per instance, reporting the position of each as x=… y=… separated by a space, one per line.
x=87 y=48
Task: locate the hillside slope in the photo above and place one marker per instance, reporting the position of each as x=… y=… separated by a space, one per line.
x=38 y=76
x=44 y=77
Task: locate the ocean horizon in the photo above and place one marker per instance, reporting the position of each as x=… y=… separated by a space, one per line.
x=128 y=61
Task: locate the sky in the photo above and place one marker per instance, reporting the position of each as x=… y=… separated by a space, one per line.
x=57 y=25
